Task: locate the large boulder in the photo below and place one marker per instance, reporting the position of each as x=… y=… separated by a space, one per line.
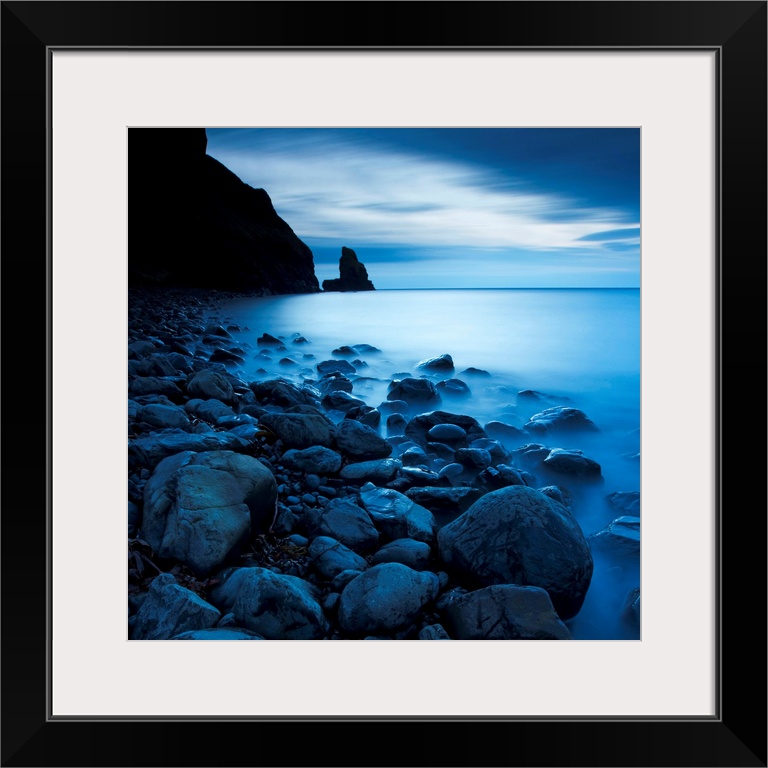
x=573 y=464
x=517 y=535
x=279 y=607
x=420 y=427
x=360 y=442
x=397 y=516
x=415 y=392
x=385 y=598
x=330 y=557
x=283 y=393
x=207 y=384
x=620 y=538
x=148 y=451
x=560 y=420
x=504 y=612
x=348 y=523
x=209 y=410
x=439 y=364
x=353 y=275
x=376 y=471
x=200 y=508
x=155 y=385
x=315 y=460
x=414 y=554
x=300 y=430
x=163 y=416
x=170 y=609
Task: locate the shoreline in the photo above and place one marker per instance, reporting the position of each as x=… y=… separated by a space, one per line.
x=322 y=485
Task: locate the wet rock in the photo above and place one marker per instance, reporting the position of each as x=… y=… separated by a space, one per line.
x=300 y=430
x=478 y=372
x=507 y=434
x=376 y=471
x=558 y=420
x=170 y=609
x=453 y=388
x=419 y=427
x=153 y=385
x=419 y=476
x=573 y=464
x=415 y=392
x=341 y=401
x=283 y=393
x=531 y=455
x=349 y=524
x=335 y=366
x=397 y=516
x=148 y=451
x=517 y=535
x=440 y=364
x=200 y=508
x=226 y=357
x=502 y=476
x=626 y=502
x=414 y=554
x=316 y=459
x=473 y=458
x=414 y=457
x=390 y=407
x=621 y=537
x=334 y=382
x=504 y=612
x=445 y=503
x=360 y=442
x=385 y=598
x=279 y=607
x=365 y=349
x=330 y=557
x=447 y=433
x=218 y=330
x=209 y=410
x=396 y=424
x=268 y=340
x=156 y=365
x=365 y=415
x=531 y=397
x=207 y=384
x=163 y=416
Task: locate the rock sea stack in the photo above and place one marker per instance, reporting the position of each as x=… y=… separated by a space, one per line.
x=353 y=275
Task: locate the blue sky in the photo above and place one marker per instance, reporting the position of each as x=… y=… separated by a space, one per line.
x=454 y=207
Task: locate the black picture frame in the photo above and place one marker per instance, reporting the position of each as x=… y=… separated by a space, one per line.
x=736 y=736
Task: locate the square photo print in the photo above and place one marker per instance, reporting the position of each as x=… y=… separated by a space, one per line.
x=384 y=384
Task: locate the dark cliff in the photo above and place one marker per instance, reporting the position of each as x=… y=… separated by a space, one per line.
x=192 y=222
x=353 y=276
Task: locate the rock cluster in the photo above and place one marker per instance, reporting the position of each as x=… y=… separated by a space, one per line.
x=276 y=510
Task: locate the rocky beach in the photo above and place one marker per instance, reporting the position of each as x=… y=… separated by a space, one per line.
x=288 y=504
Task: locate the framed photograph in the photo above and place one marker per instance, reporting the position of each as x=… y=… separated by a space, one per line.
x=615 y=149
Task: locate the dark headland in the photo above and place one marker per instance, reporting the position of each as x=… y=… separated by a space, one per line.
x=194 y=223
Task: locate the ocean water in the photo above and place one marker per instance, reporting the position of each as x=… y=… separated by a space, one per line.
x=581 y=346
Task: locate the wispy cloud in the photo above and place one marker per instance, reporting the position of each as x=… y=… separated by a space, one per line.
x=361 y=196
